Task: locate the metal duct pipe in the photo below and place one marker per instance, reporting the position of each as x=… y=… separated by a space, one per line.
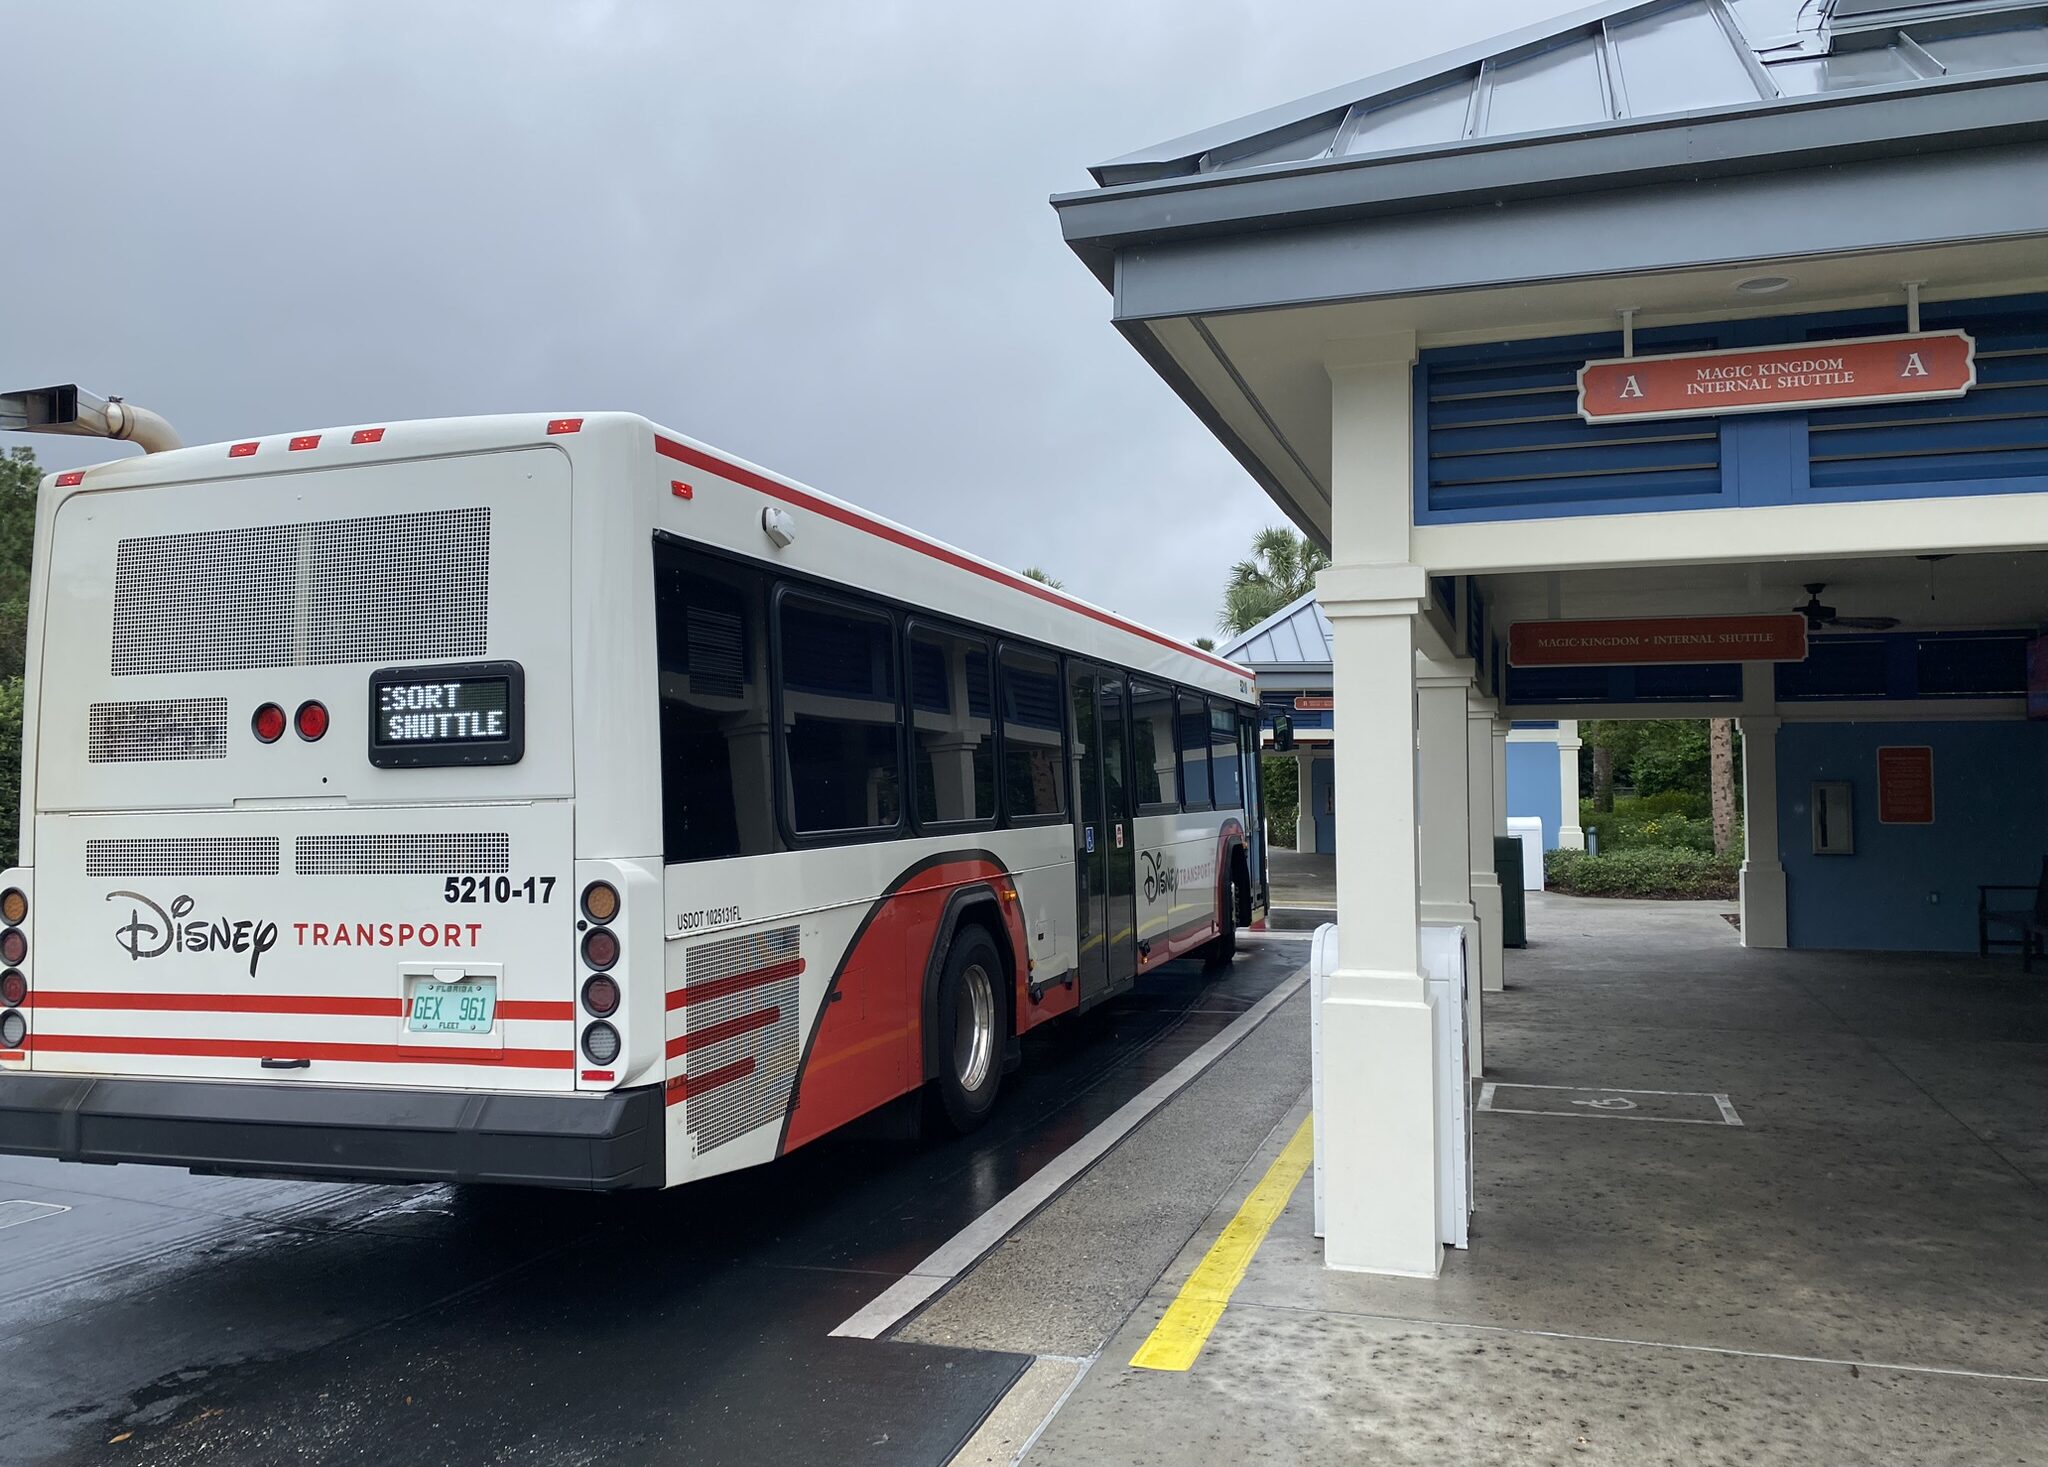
x=69 y=409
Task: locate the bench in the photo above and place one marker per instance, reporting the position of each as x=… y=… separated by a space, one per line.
x=2028 y=924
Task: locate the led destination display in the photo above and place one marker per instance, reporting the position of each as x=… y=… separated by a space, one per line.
x=473 y=713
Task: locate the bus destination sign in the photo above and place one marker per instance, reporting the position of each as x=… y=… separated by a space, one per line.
x=440 y=716
x=1760 y=379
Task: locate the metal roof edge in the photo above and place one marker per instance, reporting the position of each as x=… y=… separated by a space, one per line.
x=1976 y=110
x=1267 y=624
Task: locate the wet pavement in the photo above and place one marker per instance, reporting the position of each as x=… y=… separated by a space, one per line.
x=169 y=1318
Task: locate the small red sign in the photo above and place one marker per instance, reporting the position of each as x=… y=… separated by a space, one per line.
x=1659 y=639
x=1308 y=704
x=1905 y=785
x=1760 y=379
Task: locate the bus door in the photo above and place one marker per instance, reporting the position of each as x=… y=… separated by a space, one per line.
x=1105 y=852
x=1121 y=948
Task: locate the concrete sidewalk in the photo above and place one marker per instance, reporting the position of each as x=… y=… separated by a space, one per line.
x=1854 y=1274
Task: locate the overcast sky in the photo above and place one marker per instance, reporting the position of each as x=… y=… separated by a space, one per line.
x=814 y=235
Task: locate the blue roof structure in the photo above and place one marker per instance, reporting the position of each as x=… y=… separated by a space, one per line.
x=1294 y=638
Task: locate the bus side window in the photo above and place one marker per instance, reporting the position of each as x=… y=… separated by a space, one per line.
x=717 y=788
x=839 y=717
x=1193 y=726
x=1032 y=727
x=952 y=727
x=1153 y=750
x=1224 y=759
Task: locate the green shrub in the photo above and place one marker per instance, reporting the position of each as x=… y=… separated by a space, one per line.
x=1279 y=774
x=1666 y=821
x=1670 y=872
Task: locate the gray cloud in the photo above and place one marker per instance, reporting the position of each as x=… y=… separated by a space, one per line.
x=814 y=235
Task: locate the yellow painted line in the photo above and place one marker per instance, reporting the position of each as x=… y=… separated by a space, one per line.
x=1187 y=1323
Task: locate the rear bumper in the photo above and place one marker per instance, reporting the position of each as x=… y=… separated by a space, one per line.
x=330 y=1133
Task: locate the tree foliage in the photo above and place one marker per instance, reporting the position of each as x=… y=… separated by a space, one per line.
x=1282 y=568
x=1038 y=574
x=18 y=479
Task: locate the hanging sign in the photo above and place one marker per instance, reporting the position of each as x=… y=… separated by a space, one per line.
x=1657 y=639
x=1310 y=703
x=1760 y=379
x=1905 y=785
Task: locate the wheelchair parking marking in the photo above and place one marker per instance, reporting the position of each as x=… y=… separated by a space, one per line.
x=1612 y=1103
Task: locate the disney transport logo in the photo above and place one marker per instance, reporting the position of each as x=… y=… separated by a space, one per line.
x=151 y=931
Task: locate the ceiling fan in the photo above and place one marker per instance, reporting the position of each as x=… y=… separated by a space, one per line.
x=1820 y=618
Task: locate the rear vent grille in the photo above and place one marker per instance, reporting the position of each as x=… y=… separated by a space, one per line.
x=362 y=590
x=204 y=855
x=404 y=855
x=166 y=728
x=762 y=1094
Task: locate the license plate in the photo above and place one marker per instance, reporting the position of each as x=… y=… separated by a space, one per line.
x=453 y=1008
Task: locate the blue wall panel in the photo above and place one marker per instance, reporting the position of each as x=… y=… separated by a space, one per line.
x=1990 y=825
x=1322 y=796
x=1536 y=786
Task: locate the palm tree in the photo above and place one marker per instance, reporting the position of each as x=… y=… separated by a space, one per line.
x=1282 y=569
x=1033 y=573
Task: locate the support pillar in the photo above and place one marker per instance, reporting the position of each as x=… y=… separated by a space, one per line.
x=1304 y=806
x=1444 y=817
x=1480 y=823
x=1765 y=919
x=1571 y=836
x=1378 y=1119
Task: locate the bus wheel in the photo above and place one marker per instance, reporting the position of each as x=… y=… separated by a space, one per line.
x=1217 y=955
x=969 y=1029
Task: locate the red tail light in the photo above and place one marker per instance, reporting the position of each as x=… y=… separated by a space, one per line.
x=600 y=948
x=268 y=724
x=13 y=987
x=600 y=996
x=14 y=946
x=311 y=719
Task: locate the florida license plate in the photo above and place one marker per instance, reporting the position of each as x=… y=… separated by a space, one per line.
x=467 y=1007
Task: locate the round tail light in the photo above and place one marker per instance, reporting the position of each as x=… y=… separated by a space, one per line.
x=600 y=901
x=13 y=906
x=600 y=996
x=600 y=1043
x=14 y=1029
x=600 y=947
x=268 y=723
x=311 y=719
x=13 y=987
x=13 y=946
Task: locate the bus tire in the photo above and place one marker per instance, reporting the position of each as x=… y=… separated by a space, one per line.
x=1217 y=955
x=970 y=1027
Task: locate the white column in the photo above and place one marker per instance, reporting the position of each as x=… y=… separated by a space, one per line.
x=1378 y=1119
x=1764 y=917
x=1443 y=813
x=1304 y=807
x=1501 y=727
x=1481 y=822
x=1570 y=836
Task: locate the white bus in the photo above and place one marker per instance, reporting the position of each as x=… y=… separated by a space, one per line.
x=563 y=802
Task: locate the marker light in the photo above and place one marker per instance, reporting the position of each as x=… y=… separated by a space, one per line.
x=600 y=901
x=600 y=1043
x=600 y=996
x=268 y=724
x=13 y=1029
x=13 y=987
x=13 y=906
x=311 y=719
x=13 y=946
x=600 y=948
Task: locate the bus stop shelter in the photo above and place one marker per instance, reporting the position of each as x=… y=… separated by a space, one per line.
x=1663 y=312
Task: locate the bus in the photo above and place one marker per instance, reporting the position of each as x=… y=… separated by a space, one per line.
x=560 y=801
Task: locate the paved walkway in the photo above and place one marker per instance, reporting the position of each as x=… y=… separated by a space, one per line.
x=1858 y=1273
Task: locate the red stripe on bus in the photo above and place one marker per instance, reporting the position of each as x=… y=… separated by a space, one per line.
x=744 y=1024
x=738 y=983
x=278 y=1003
x=761 y=484
x=682 y=1087
x=375 y=1054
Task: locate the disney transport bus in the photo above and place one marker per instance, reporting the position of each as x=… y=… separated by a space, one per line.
x=563 y=802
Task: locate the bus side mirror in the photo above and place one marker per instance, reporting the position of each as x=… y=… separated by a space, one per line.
x=1283 y=732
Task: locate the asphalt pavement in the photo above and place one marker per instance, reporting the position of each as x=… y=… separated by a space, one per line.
x=166 y=1318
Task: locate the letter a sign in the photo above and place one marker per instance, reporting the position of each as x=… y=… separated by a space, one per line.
x=1776 y=378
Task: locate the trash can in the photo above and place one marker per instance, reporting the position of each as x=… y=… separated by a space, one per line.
x=1514 y=907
